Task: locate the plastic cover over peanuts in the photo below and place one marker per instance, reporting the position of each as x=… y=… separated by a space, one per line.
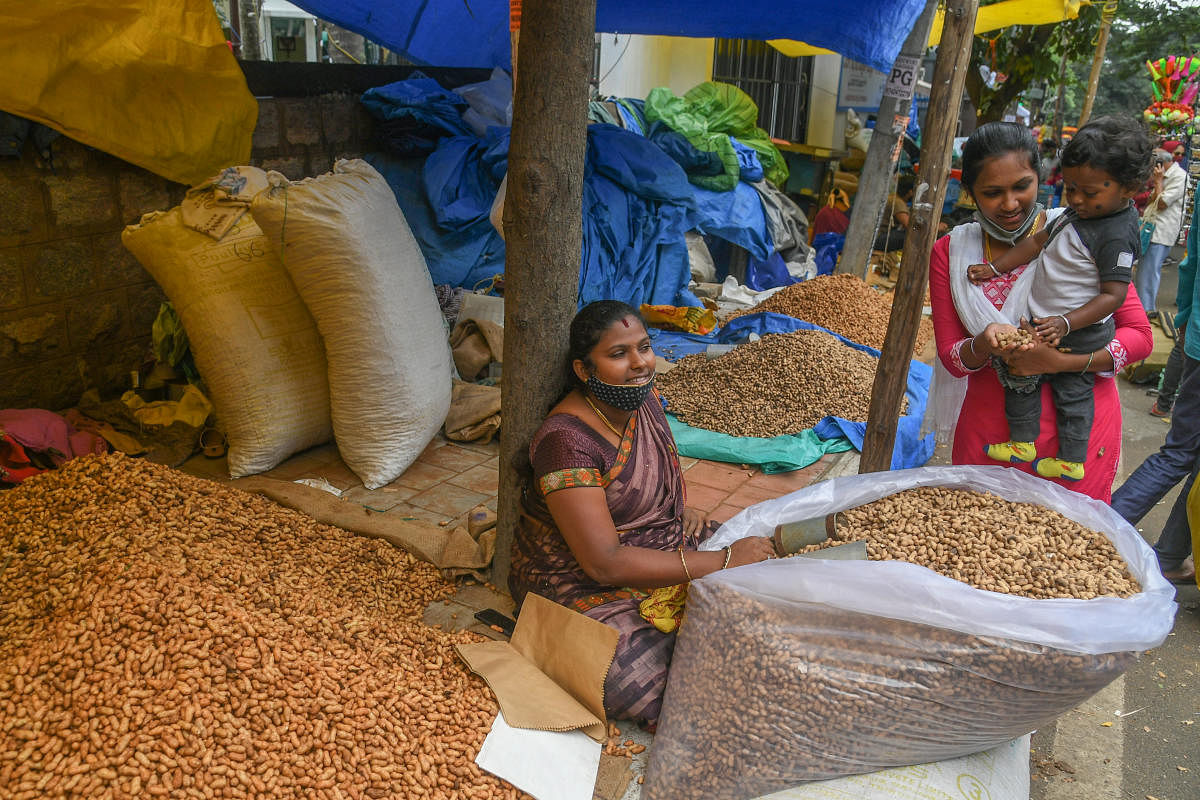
x=795 y=669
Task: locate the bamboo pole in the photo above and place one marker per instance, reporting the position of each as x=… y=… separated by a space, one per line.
x=945 y=100
x=1106 y=18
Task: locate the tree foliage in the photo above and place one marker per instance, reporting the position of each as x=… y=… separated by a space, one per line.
x=1027 y=55
x=1030 y=56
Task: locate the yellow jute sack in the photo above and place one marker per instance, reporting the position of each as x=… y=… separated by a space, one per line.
x=152 y=83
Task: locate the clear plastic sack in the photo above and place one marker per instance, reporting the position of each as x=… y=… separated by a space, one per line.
x=794 y=670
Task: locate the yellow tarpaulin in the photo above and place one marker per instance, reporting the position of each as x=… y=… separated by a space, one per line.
x=989 y=18
x=151 y=82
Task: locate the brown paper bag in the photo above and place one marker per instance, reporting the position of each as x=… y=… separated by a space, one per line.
x=550 y=677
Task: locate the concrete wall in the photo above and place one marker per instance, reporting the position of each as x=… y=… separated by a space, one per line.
x=631 y=65
x=75 y=307
x=826 y=125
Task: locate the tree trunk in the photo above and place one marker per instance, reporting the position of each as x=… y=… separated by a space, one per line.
x=250 y=17
x=543 y=235
x=945 y=100
x=876 y=174
x=1110 y=8
x=1058 y=99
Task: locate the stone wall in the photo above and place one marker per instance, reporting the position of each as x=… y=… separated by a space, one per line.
x=75 y=307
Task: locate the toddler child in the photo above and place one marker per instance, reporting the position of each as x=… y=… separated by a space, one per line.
x=1083 y=262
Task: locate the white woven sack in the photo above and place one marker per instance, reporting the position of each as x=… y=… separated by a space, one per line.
x=254 y=342
x=359 y=270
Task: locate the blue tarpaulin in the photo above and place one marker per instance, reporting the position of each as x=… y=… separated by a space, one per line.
x=476 y=33
x=462 y=257
x=637 y=206
x=780 y=454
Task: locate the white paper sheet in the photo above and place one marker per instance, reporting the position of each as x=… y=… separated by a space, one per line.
x=550 y=765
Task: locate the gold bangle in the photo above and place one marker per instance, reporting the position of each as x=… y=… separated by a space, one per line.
x=1088 y=368
x=728 y=555
x=684 y=562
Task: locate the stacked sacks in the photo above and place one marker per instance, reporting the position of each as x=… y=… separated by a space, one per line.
x=356 y=265
x=254 y=342
x=323 y=321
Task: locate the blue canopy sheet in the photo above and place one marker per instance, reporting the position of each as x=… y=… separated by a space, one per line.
x=637 y=206
x=736 y=216
x=413 y=114
x=794 y=451
x=476 y=34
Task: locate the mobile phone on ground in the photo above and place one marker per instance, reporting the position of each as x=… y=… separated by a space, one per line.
x=496 y=621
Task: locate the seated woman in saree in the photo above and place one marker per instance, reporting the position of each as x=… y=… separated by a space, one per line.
x=603 y=522
x=1000 y=166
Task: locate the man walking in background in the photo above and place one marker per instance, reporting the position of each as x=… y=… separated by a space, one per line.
x=1163 y=216
x=1179 y=456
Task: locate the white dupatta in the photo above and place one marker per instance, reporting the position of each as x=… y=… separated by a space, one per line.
x=946 y=393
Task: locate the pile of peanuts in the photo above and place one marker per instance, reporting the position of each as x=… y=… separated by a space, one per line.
x=765 y=694
x=1014 y=337
x=988 y=542
x=166 y=636
x=781 y=384
x=844 y=304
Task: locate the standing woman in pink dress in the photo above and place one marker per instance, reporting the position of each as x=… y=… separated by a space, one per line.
x=1000 y=170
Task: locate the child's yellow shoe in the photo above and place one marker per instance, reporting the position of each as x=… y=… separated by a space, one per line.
x=1011 y=452
x=1057 y=468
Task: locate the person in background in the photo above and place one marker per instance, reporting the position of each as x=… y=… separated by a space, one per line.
x=833 y=217
x=1168 y=387
x=1000 y=169
x=1179 y=457
x=603 y=522
x=894 y=226
x=1177 y=151
x=1162 y=218
x=1051 y=170
x=1142 y=198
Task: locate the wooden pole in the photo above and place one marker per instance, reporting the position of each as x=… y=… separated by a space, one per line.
x=1106 y=18
x=543 y=232
x=876 y=174
x=945 y=100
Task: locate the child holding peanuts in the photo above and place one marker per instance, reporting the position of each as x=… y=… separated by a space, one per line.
x=1083 y=262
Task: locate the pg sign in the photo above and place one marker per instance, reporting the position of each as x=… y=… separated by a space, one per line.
x=903 y=80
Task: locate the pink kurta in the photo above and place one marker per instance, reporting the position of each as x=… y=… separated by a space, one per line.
x=982 y=421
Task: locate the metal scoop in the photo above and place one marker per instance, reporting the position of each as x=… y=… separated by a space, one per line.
x=791 y=537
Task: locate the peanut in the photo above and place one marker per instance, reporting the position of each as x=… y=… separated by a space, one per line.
x=781 y=384
x=168 y=635
x=765 y=694
x=844 y=304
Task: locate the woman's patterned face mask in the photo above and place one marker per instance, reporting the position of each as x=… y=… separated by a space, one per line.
x=627 y=397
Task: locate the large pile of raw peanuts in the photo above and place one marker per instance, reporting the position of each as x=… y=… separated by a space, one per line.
x=988 y=542
x=166 y=636
x=781 y=384
x=844 y=304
